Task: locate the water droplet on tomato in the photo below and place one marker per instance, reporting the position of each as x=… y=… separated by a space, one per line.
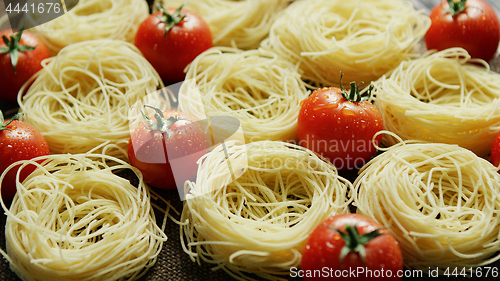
x=347 y=112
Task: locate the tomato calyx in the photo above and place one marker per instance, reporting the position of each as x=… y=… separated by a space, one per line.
x=161 y=124
x=456 y=7
x=355 y=242
x=354 y=95
x=170 y=20
x=2 y=120
x=13 y=47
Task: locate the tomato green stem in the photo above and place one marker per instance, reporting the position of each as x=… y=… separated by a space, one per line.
x=355 y=242
x=160 y=124
x=170 y=20
x=354 y=94
x=2 y=120
x=456 y=7
x=13 y=47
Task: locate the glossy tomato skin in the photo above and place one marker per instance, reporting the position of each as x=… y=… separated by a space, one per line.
x=338 y=129
x=20 y=142
x=152 y=152
x=28 y=64
x=476 y=29
x=495 y=151
x=324 y=244
x=183 y=43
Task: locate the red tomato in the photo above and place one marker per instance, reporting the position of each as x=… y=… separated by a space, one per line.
x=171 y=39
x=173 y=136
x=18 y=141
x=470 y=24
x=29 y=51
x=495 y=151
x=326 y=250
x=340 y=126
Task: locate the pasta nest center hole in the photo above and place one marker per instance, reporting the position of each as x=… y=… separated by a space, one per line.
x=268 y=196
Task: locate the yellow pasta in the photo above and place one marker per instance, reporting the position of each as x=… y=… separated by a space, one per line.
x=441 y=201
x=256 y=219
x=444 y=97
x=81 y=98
x=235 y=23
x=256 y=87
x=74 y=219
x=362 y=38
x=91 y=20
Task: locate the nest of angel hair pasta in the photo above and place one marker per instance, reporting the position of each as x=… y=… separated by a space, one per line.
x=444 y=97
x=251 y=213
x=90 y=20
x=82 y=97
x=363 y=38
x=243 y=23
x=256 y=87
x=440 y=200
x=73 y=216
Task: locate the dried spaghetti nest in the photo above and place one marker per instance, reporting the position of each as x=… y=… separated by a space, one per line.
x=440 y=200
x=82 y=97
x=241 y=23
x=362 y=38
x=251 y=213
x=73 y=218
x=260 y=89
x=90 y=20
x=444 y=97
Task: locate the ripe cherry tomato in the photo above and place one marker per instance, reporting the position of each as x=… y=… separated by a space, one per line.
x=352 y=243
x=340 y=126
x=18 y=141
x=470 y=24
x=495 y=151
x=171 y=139
x=171 y=39
x=21 y=55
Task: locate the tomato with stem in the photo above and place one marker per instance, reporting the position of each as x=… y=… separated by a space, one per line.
x=352 y=243
x=469 y=24
x=168 y=138
x=21 y=55
x=18 y=141
x=340 y=125
x=172 y=38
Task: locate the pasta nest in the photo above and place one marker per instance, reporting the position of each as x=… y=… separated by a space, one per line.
x=444 y=97
x=82 y=97
x=251 y=213
x=440 y=200
x=362 y=38
x=91 y=20
x=73 y=218
x=256 y=87
x=242 y=24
